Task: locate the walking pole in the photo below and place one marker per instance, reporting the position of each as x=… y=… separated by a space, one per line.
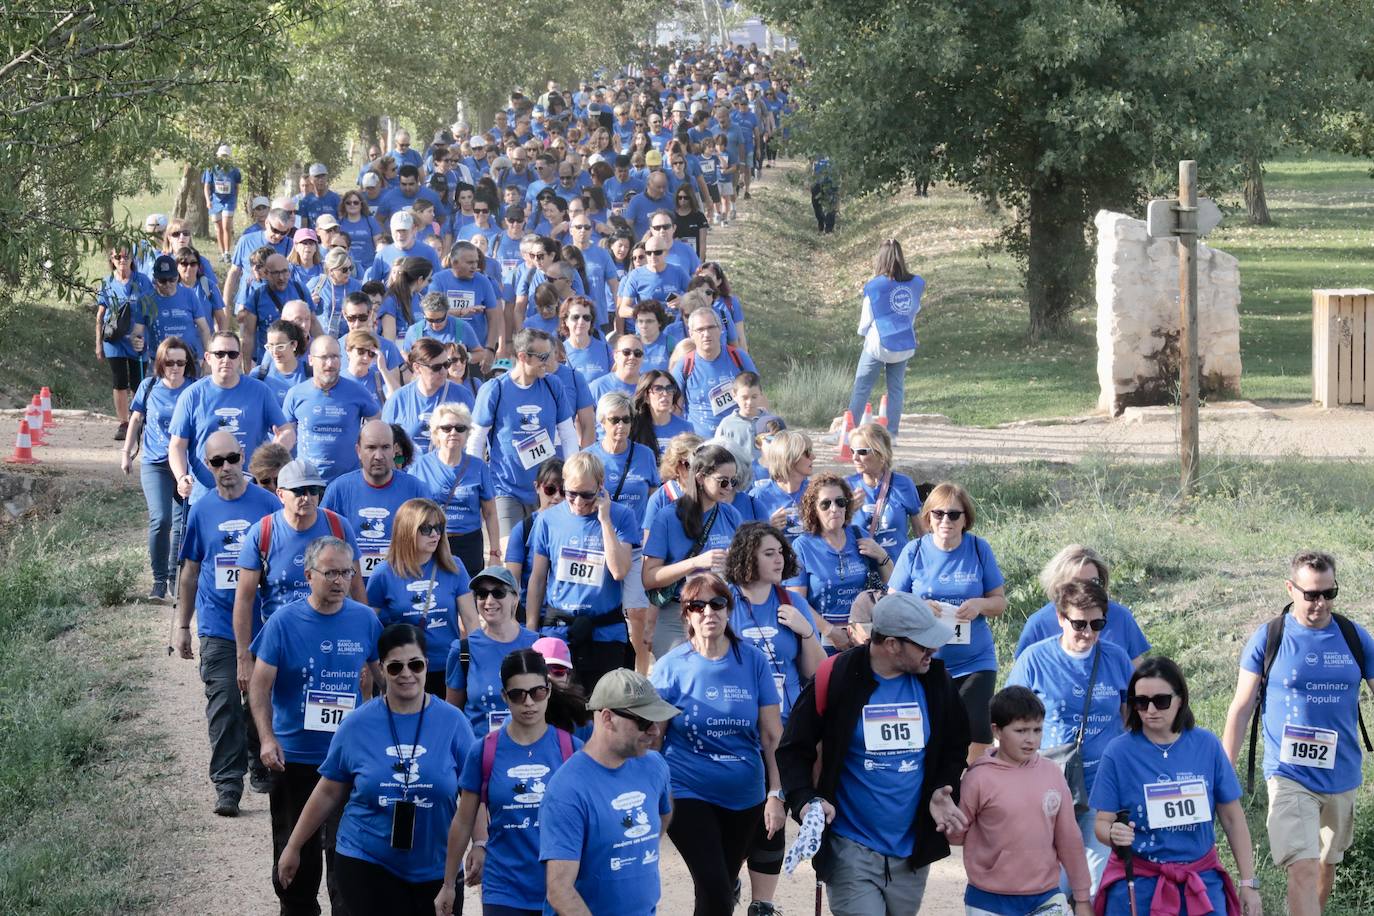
x=1127 y=855
x=818 y=897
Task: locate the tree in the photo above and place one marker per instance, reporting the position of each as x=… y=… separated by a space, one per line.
x=1058 y=108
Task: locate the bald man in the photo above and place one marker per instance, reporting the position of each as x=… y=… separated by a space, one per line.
x=328 y=411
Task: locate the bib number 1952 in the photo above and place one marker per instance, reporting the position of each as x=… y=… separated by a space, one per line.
x=1305 y=746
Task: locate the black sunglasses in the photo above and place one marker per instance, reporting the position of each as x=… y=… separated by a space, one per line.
x=520 y=694
x=223 y=354
x=952 y=514
x=451 y=428
x=1160 y=700
x=1080 y=625
x=429 y=529
x=839 y=502
x=306 y=491
x=640 y=722
x=499 y=593
x=1328 y=593
x=587 y=495
x=416 y=665
x=552 y=489
x=219 y=461
x=628 y=352
x=716 y=603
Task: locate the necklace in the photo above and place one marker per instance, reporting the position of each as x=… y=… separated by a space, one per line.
x=1164 y=750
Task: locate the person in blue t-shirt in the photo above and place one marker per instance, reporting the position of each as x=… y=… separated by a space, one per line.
x=606 y=809
x=707 y=376
x=1078 y=562
x=413 y=404
x=472 y=298
x=508 y=772
x=177 y=311
x=1309 y=691
x=657 y=403
x=891 y=504
x=655 y=280
x=320 y=200
x=788 y=458
x=623 y=377
x=156 y=400
x=300 y=695
x=396 y=761
x=1174 y=781
x=209 y=555
x=420 y=584
x=720 y=750
x=548 y=486
x=1061 y=670
x=581 y=551
x=221 y=184
x=328 y=412
x=124 y=348
x=958 y=570
x=473 y=682
x=462 y=485
x=285 y=365
x=362 y=228
x=892 y=300
x=437 y=324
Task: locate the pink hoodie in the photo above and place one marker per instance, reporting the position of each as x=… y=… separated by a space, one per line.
x=1021 y=828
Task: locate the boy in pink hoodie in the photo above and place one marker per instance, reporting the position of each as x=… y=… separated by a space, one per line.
x=1021 y=821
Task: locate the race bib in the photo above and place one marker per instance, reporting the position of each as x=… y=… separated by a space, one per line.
x=722 y=397
x=1305 y=746
x=962 y=629
x=370 y=562
x=1177 y=804
x=534 y=449
x=780 y=682
x=497 y=718
x=223 y=187
x=508 y=269
x=581 y=567
x=226 y=572
x=324 y=710
x=893 y=727
x=460 y=300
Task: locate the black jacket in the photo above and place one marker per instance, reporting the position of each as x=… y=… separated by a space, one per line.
x=852 y=682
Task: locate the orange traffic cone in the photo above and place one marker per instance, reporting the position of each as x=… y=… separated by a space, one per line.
x=882 y=413
x=868 y=414
x=845 y=453
x=34 y=414
x=45 y=399
x=23 y=446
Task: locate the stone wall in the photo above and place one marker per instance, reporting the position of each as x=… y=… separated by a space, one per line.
x=1138 y=317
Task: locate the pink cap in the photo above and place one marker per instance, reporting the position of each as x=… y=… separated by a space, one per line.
x=554 y=650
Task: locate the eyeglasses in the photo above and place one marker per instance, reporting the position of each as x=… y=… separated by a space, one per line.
x=268 y=483
x=274 y=230
x=499 y=593
x=1160 y=701
x=725 y=483
x=640 y=722
x=219 y=461
x=452 y=428
x=316 y=492
x=952 y=514
x=1080 y=625
x=705 y=329
x=438 y=367
x=174 y=363
x=278 y=273
x=616 y=421
x=540 y=357
x=551 y=489
x=223 y=354
x=394 y=669
x=356 y=317
x=122 y=256
x=662 y=389
x=839 y=502
x=334 y=575
x=584 y=495
x=521 y=694
x=582 y=317
x=641 y=257
x=697 y=607
x=1309 y=596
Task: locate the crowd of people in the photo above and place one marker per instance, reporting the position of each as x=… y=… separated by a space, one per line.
x=502 y=569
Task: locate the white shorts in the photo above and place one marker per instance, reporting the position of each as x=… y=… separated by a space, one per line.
x=727 y=189
x=632 y=594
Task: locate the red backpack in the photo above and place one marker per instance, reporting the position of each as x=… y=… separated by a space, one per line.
x=565 y=747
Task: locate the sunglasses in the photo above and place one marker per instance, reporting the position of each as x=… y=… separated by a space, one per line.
x=1161 y=701
x=585 y=495
x=580 y=226
x=616 y=421
x=725 y=483
x=499 y=593
x=640 y=722
x=416 y=665
x=429 y=529
x=361 y=354
x=552 y=489
x=1080 y=625
x=656 y=253
x=661 y=228
x=316 y=492
x=952 y=514
x=541 y=357
x=451 y=428
x=180 y=233
x=481 y=210
x=438 y=367
x=641 y=257
x=223 y=354
x=188 y=263
x=663 y=389
x=219 y=461
x=1328 y=593
x=357 y=317
x=174 y=363
x=862 y=452
x=839 y=502
x=579 y=317
x=520 y=694
x=636 y=354
x=696 y=607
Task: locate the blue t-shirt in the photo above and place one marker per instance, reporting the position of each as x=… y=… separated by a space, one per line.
x=610 y=822
x=953 y=576
x=400 y=599
x=319 y=660
x=371 y=510
x=214 y=537
x=758 y=624
x=641 y=209
x=676 y=426
x=1121 y=630
x=312 y=206
x=709 y=387
x=176 y=317
x=641 y=480
x=157 y=403
x=1314 y=684
x=771 y=497
x=455 y=330
x=249 y=410
x=832 y=579
x=669 y=543
x=901 y=506
x=1060 y=680
x=469 y=485
x=327 y=423
x=657 y=354
x=285 y=575
x=411 y=408
x=280 y=382
x=642 y=284
x=362 y=234
x=713 y=749
x=601 y=270
x=523 y=424
x=224 y=185
x=1130 y=764
x=485 y=707
x=608 y=383
x=475 y=292
x=591 y=362
x=513 y=876
x=365 y=755
x=579 y=579
x=875 y=804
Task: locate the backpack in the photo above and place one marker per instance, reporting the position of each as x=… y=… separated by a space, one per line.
x=690 y=360
x=118 y=320
x=822 y=682
x=1273 y=637
x=265 y=542
x=565 y=748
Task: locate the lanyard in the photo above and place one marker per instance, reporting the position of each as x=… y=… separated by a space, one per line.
x=403 y=764
x=879 y=505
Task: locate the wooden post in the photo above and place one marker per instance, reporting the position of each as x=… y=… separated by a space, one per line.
x=1187 y=303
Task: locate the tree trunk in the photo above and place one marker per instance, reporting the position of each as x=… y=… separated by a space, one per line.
x=190 y=202
x=1256 y=206
x=1058 y=261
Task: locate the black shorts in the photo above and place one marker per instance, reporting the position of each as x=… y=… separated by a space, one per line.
x=714 y=191
x=976 y=691
x=125 y=373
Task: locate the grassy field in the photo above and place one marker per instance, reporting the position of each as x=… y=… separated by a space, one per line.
x=801 y=297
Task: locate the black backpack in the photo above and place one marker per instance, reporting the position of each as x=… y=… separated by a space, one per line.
x=118 y=320
x=1273 y=636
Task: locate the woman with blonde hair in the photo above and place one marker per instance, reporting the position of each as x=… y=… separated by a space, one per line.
x=891 y=301
x=1076 y=562
x=890 y=505
x=788 y=459
x=462 y=485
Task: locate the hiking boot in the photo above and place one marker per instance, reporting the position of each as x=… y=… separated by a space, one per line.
x=158 y=592
x=763 y=908
x=121 y=432
x=227 y=806
x=260 y=781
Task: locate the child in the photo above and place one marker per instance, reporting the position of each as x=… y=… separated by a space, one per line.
x=1021 y=821
x=738 y=428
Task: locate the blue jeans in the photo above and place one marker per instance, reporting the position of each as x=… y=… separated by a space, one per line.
x=866 y=376
x=1097 y=854
x=166 y=518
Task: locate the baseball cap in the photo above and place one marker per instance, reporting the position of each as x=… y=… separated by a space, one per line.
x=653 y=158
x=165 y=267
x=442 y=138
x=326 y=221
x=768 y=423
x=155 y=221
x=555 y=652
x=318 y=169
x=303 y=235
x=679 y=106
x=477 y=141
x=595 y=158
x=260 y=202
x=223 y=152
x=501 y=162
x=402 y=219
x=498 y=573
x=904 y=615
x=299 y=473
x=371 y=180
x=632 y=692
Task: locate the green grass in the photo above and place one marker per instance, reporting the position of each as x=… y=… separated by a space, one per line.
x=72 y=826
x=801 y=295
x=1200 y=576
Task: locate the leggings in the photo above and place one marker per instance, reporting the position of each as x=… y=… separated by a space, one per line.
x=975 y=690
x=371 y=890
x=713 y=842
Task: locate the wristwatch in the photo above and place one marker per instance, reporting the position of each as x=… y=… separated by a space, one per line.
x=1249 y=882
x=776 y=793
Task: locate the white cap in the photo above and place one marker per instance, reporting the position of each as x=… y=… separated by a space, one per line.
x=477 y=141
x=259 y=202
x=223 y=152
x=155 y=221
x=371 y=180
x=318 y=169
x=402 y=219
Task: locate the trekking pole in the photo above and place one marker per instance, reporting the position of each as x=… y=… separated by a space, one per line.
x=1127 y=855
x=818 y=896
